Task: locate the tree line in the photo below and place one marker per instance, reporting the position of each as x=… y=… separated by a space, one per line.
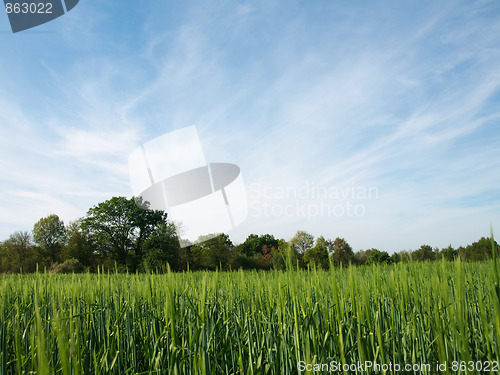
x=124 y=235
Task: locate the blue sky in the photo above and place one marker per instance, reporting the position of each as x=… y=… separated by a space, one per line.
x=307 y=97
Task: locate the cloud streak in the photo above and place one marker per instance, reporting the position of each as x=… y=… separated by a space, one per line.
x=331 y=95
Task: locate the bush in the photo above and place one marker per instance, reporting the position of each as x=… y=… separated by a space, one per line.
x=68 y=266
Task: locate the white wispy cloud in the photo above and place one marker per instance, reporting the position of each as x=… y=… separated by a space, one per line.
x=333 y=95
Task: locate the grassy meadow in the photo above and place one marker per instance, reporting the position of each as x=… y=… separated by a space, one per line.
x=249 y=322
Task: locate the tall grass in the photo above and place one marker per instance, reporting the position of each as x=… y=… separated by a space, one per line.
x=248 y=322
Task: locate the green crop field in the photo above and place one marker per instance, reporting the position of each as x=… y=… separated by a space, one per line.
x=252 y=322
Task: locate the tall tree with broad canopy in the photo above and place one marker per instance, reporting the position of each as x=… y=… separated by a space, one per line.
x=317 y=256
x=212 y=252
x=18 y=254
x=342 y=253
x=424 y=253
x=162 y=249
x=119 y=226
x=376 y=256
x=50 y=234
x=79 y=245
x=302 y=241
x=480 y=250
x=254 y=244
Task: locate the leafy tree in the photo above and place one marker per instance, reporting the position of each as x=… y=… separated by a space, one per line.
x=424 y=253
x=119 y=226
x=214 y=253
x=378 y=257
x=161 y=248
x=49 y=234
x=254 y=244
x=242 y=261
x=185 y=257
x=79 y=246
x=285 y=256
x=255 y=252
x=360 y=257
x=147 y=221
x=342 y=252
x=448 y=253
x=302 y=241
x=462 y=252
x=280 y=255
x=401 y=256
x=479 y=250
x=19 y=254
x=250 y=246
x=68 y=266
x=317 y=256
x=258 y=261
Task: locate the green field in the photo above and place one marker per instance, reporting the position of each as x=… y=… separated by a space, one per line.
x=249 y=322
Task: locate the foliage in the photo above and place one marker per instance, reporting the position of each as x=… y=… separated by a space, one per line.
x=123 y=234
x=448 y=253
x=119 y=226
x=212 y=254
x=317 y=256
x=68 y=266
x=18 y=254
x=425 y=252
x=402 y=256
x=479 y=251
x=342 y=254
x=378 y=257
x=254 y=244
x=302 y=241
x=360 y=257
x=49 y=234
x=79 y=246
x=162 y=249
